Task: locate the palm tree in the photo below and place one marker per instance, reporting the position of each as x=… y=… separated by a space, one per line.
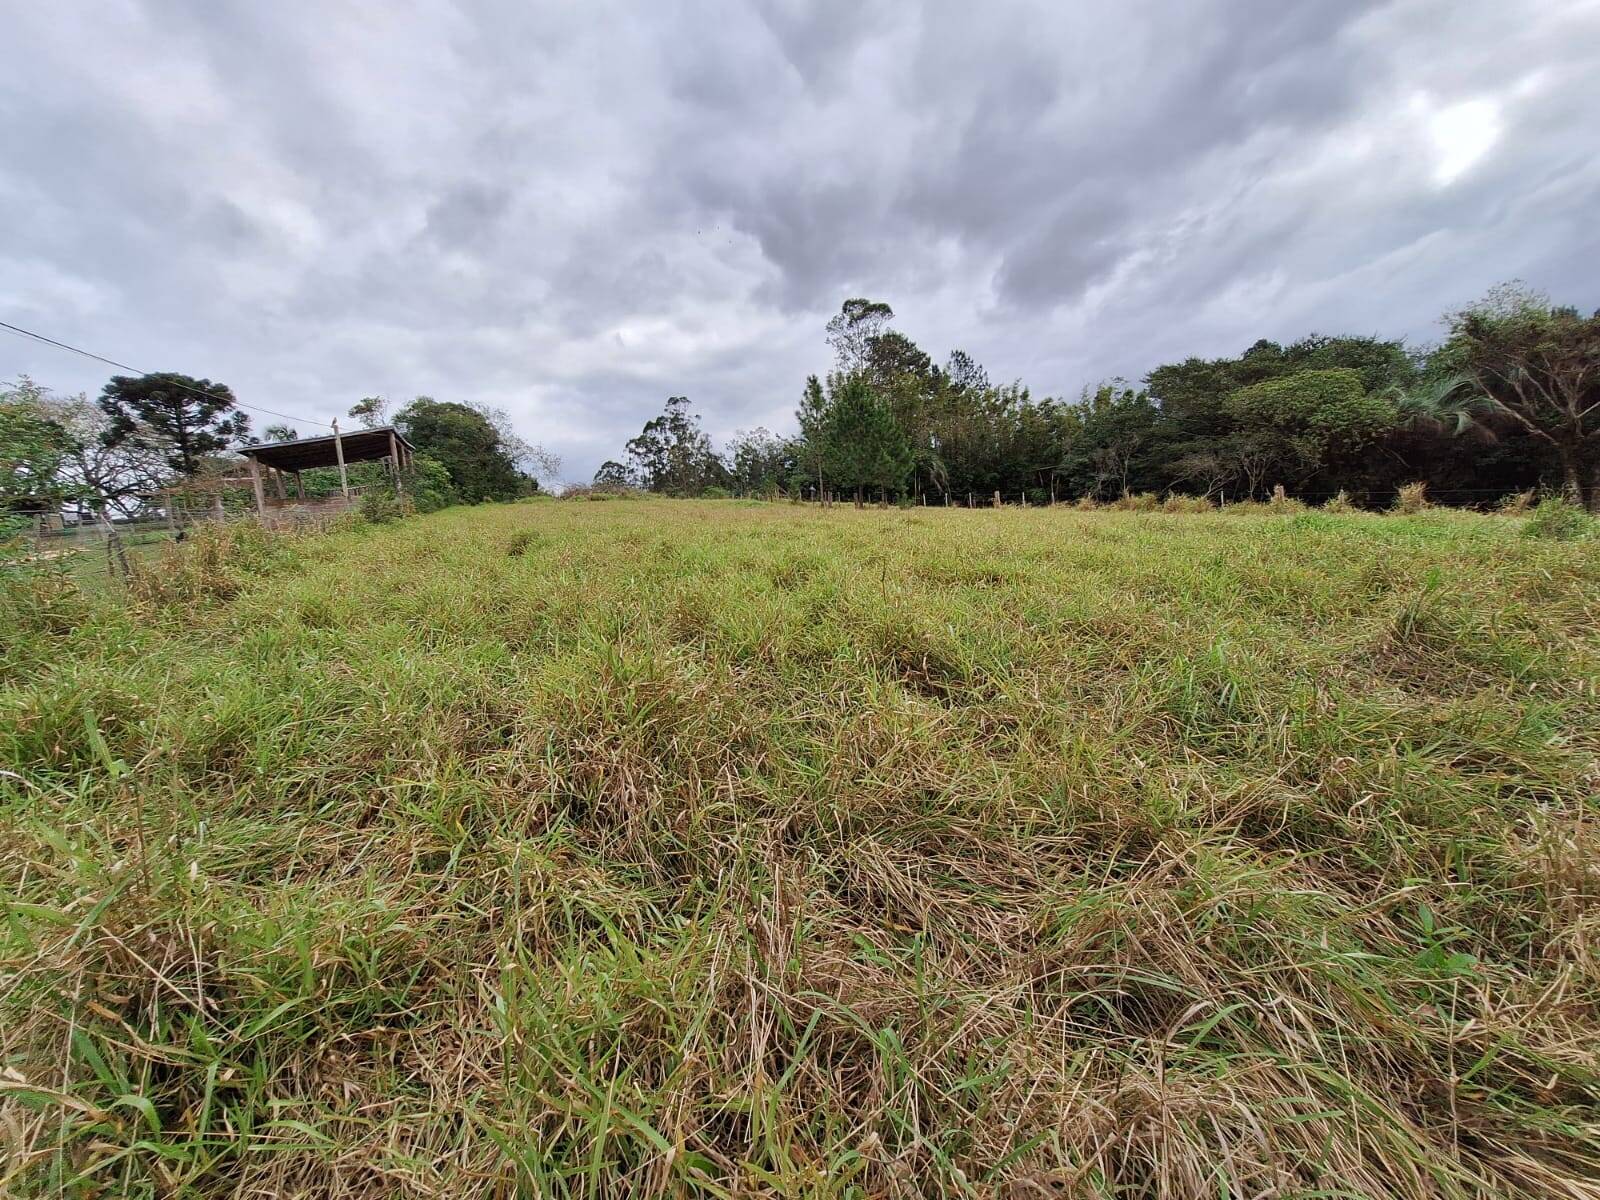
x=1447 y=402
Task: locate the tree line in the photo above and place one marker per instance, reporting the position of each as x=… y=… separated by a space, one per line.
x=1508 y=401
x=149 y=432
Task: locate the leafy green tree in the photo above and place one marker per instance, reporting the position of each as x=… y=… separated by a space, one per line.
x=672 y=454
x=370 y=411
x=759 y=463
x=467 y=445
x=280 y=433
x=187 y=419
x=853 y=329
x=965 y=374
x=1321 y=407
x=1295 y=425
x=121 y=476
x=1116 y=426
x=811 y=447
x=35 y=449
x=865 y=446
x=1516 y=360
x=614 y=475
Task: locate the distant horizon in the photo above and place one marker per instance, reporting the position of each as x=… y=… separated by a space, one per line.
x=572 y=217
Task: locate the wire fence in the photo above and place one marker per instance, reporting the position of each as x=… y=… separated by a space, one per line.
x=86 y=543
x=1373 y=500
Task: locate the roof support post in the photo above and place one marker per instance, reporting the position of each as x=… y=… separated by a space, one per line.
x=277 y=483
x=299 y=486
x=338 y=449
x=255 y=483
x=394 y=463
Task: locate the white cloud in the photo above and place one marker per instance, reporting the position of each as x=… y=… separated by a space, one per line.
x=1462 y=134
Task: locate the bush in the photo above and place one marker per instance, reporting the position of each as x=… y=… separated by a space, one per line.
x=715 y=493
x=1560 y=520
x=1411 y=498
x=381 y=506
x=1187 y=504
x=428 y=484
x=1341 y=503
x=1281 y=503
x=1086 y=504
x=211 y=563
x=1518 y=504
x=1136 y=502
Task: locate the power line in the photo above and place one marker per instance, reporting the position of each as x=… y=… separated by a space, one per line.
x=111 y=362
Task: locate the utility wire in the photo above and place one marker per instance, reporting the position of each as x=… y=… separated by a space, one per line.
x=111 y=362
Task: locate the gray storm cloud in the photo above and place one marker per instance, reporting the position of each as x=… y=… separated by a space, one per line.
x=576 y=211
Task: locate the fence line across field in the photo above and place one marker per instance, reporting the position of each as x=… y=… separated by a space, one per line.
x=56 y=536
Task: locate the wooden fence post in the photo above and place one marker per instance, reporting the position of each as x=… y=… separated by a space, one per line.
x=255 y=483
x=116 y=556
x=338 y=450
x=997 y=497
x=394 y=464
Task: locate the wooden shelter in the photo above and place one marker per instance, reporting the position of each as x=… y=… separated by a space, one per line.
x=276 y=460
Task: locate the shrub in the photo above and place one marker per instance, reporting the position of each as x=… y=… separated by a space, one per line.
x=715 y=493
x=212 y=563
x=1086 y=504
x=380 y=506
x=1281 y=502
x=1411 y=498
x=1341 y=503
x=1187 y=504
x=1136 y=502
x=1518 y=504
x=1560 y=520
x=428 y=484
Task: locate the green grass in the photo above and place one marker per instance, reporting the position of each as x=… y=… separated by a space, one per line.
x=581 y=850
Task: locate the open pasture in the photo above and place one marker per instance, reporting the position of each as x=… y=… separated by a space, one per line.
x=705 y=848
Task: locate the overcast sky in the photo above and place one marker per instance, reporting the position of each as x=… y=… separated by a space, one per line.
x=574 y=210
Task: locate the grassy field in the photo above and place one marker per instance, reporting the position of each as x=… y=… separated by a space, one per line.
x=630 y=848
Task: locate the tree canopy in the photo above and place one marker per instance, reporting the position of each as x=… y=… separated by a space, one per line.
x=672 y=454
x=35 y=449
x=186 y=419
x=864 y=446
x=465 y=442
x=1513 y=404
x=1520 y=363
